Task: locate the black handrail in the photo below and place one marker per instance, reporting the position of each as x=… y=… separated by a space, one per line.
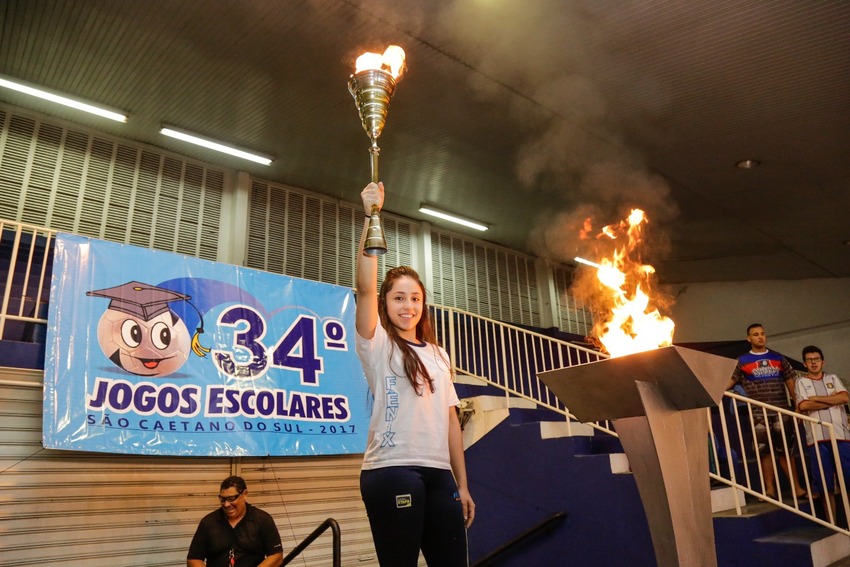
x=329 y=523
x=557 y=516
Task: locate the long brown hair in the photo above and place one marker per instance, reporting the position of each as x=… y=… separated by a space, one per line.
x=413 y=365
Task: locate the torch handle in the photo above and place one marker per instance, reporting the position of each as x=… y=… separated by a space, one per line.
x=374 y=150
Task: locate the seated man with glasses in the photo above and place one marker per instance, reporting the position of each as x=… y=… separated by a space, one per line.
x=822 y=396
x=237 y=534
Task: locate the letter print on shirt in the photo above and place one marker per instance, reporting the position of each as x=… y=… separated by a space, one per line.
x=391 y=411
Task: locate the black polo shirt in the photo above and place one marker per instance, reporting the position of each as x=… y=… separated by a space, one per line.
x=253 y=538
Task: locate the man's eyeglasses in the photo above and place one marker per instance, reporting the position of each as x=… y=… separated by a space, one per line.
x=813 y=359
x=230 y=499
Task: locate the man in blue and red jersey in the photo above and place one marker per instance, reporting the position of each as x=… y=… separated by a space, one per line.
x=768 y=377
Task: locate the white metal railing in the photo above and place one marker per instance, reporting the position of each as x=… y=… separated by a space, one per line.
x=741 y=444
x=502 y=356
x=509 y=357
x=25 y=251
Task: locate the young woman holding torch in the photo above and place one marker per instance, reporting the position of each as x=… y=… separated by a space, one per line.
x=413 y=479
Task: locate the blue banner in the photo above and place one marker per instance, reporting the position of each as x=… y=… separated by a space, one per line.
x=155 y=353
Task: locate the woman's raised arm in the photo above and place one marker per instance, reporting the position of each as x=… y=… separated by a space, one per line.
x=366 y=313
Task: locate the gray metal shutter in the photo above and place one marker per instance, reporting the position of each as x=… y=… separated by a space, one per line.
x=68 y=179
x=309 y=236
x=572 y=317
x=99 y=510
x=484 y=279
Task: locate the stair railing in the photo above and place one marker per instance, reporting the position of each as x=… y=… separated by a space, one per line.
x=520 y=539
x=509 y=357
x=337 y=542
x=27 y=278
x=741 y=438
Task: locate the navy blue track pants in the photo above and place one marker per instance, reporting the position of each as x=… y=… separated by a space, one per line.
x=413 y=508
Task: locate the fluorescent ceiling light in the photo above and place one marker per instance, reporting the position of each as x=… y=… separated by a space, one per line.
x=213 y=145
x=451 y=217
x=22 y=87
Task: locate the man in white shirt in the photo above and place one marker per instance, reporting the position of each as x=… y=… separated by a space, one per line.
x=823 y=396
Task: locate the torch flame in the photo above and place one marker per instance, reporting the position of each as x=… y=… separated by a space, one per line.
x=392 y=61
x=633 y=324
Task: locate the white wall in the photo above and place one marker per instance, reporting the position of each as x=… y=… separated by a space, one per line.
x=794 y=313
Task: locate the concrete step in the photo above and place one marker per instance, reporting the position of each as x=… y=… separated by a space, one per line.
x=723 y=498
x=774 y=536
x=823 y=546
x=486 y=403
x=555 y=429
x=488 y=411
x=619 y=462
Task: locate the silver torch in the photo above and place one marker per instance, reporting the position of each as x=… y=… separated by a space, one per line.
x=372 y=86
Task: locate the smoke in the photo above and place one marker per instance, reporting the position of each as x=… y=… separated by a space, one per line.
x=553 y=52
x=606 y=193
x=555 y=62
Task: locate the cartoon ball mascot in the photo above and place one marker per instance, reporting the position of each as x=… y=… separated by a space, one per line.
x=140 y=334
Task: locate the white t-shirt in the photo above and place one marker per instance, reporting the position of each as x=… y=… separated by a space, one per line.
x=406 y=429
x=836 y=415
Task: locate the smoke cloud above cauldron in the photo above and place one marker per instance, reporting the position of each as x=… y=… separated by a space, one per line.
x=552 y=51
